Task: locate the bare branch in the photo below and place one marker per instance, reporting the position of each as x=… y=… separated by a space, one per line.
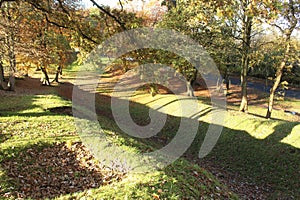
x=121 y=4
x=109 y=14
x=54 y=23
x=277 y=26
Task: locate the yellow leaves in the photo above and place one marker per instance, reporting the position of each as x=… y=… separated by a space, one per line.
x=220 y=12
x=227 y=12
x=250 y=7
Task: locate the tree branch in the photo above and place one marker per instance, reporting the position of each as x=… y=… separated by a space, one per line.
x=109 y=14
x=54 y=23
x=120 y=2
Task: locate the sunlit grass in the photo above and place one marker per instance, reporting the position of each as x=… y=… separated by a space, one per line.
x=293 y=138
x=26 y=122
x=265 y=151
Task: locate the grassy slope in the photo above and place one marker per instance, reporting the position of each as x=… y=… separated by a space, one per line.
x=27 y=123
x=265 y=151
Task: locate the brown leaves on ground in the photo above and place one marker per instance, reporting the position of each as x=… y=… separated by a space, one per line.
x=56 y=170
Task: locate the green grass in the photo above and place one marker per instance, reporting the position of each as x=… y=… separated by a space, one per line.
x=26 y=123
x=263 y=151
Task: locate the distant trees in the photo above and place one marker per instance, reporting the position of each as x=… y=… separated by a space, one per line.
x=45 y=33
x=229 y=32
x=199 y=20
x=38 y=33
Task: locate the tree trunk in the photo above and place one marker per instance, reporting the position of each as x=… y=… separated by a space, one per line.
x=218 y=85
x=293 y=21
x=190 y=83
x=279 y=73
x=153 y=89
x=58 y=72
x=11 y=82
x=244 y=102
x=247 y=29
x=1 y=76
x=45 y=80
x=10 y=44
x=13 y=68
x=189 y=88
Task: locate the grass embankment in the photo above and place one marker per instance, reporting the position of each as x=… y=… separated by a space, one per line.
x=266 y=152
x=41 y=157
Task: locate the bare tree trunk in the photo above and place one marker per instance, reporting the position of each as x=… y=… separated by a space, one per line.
x=11 y=82
x=12 y=63
x=279 y=73
x=218 y=85
x=58 y=72
x=153 y=89
x=247 y=29
x=189 y=88
x=190 y=83
x=244 y=102
x=45 y=78
x=1 y=76
x=10 y=43
x=274 y=88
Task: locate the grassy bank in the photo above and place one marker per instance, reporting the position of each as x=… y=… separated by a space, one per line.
x=40 y=158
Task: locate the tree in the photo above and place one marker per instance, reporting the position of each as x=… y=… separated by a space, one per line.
x=247 y=23
x=289 y=16
x=204 y=22
x=9 y=24
x=1 y=76
x=38 y=32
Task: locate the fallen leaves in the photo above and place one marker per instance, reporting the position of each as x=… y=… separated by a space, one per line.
x=55 y=170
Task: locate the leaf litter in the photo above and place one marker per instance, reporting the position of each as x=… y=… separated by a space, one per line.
x=55 y=170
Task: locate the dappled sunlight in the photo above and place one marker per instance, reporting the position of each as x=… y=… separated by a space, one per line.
x=293 y=138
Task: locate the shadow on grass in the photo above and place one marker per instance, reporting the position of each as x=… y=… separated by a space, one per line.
x=267 y=162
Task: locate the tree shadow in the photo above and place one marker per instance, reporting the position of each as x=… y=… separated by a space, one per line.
x=268 y=162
